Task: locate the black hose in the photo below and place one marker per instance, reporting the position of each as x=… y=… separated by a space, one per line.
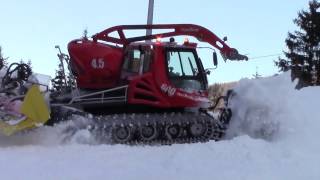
x=23 y=72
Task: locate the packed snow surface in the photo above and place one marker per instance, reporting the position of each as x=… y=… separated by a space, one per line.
x=273 y=135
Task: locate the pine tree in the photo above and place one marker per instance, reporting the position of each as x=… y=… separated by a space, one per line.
x=64 y=80
x=70 y=81
x=29 y=63
x=283 y=65
x=58 y=83
x=85 y=34
x=3 y=61
x=304 y=48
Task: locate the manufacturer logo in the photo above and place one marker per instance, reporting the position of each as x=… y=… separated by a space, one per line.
x=190 y=29
x=168 y=89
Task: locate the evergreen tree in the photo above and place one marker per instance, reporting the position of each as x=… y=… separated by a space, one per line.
x=85 y=34
x=71 y=81
x=29 y=63
x=64 y=80
x=304 y=48
x=58 y=83
x=283 y=65
x=3 y=61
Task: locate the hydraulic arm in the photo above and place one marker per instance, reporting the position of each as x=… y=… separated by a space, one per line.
x=199 y=32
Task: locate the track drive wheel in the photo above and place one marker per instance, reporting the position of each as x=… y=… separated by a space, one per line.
x=172 y=131
x=198 y=129
x=148 y=132
x=121 y=134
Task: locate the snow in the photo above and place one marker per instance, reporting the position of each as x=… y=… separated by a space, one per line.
x=273 y=135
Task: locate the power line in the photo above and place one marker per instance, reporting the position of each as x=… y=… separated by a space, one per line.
x=256 y=57
x=265 y=56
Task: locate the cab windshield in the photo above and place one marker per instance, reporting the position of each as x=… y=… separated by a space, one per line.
x=184 y=69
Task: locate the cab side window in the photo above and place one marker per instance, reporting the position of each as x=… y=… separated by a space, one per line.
x=132 y=61
x=137 y=61
x=147 y=60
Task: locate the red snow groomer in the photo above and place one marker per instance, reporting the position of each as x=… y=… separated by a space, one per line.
x=163 y=83
x=145 y=89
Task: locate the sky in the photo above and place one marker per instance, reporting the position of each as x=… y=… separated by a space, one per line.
x=31 y=29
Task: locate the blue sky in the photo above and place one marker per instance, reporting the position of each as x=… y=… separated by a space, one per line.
x=30 y=29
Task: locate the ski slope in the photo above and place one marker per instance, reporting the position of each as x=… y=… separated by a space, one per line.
x=273 y=135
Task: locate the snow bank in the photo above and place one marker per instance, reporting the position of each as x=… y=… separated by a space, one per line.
x=65 y=133
x=273 y=135
x=272 y=109
x=262 y=107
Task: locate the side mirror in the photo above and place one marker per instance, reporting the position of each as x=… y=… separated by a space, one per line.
x=215 y=59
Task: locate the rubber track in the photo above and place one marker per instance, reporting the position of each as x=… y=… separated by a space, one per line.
x=103 y=128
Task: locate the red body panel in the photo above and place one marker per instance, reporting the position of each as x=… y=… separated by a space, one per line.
x=96 y=65
x=156 y=92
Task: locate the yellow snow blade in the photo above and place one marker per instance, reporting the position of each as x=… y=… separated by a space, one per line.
x=8 y=129
x=34 y=108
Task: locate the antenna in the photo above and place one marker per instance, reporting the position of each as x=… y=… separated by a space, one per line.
x=150 y=17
